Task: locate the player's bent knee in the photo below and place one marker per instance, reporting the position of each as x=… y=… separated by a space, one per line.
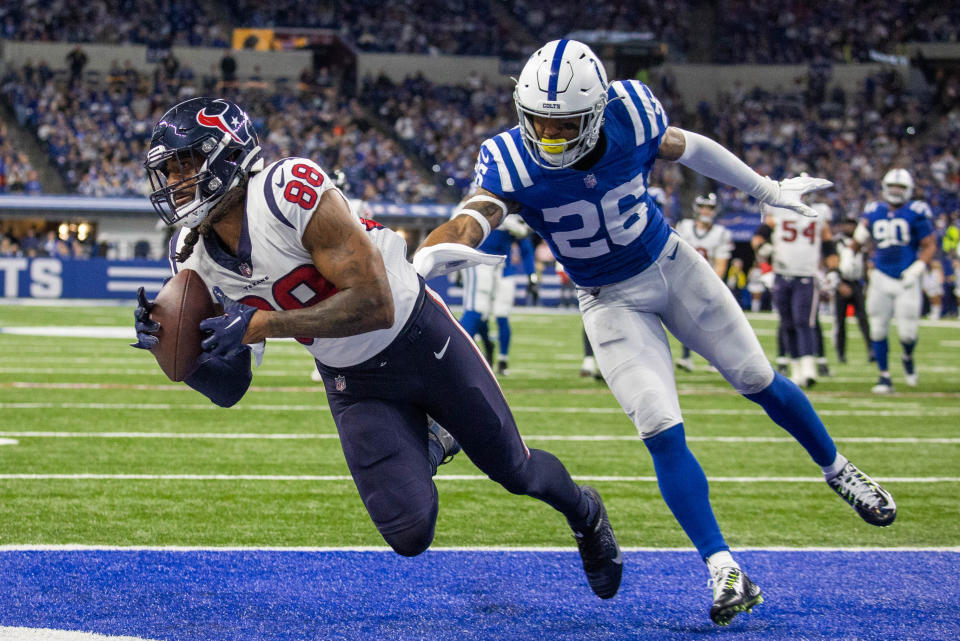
x=413 y=539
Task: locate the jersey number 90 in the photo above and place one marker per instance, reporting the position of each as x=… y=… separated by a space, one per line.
x=888 y=232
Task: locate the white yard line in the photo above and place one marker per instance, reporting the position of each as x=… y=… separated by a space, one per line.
x=441 y=477
x=925 y=412
x=527 y=437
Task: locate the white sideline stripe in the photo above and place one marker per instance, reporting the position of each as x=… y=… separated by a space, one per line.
x=931 y=412
x=441 y=477
x=527 y=437
x=80 y=547
x=137 y=272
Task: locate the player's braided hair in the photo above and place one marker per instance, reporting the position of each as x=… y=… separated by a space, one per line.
x=230 y=200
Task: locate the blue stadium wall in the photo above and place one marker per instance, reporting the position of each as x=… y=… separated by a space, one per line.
x=100 y=279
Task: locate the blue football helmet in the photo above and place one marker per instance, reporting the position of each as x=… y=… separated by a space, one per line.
x=209 y=145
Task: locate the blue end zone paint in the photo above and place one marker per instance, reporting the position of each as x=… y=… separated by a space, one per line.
x=462 y=596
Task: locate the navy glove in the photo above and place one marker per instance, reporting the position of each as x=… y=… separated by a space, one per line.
x=223 y=380
x=145 y=327
x=227 y=331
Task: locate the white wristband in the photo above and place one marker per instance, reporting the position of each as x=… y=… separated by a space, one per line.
x=477 y=216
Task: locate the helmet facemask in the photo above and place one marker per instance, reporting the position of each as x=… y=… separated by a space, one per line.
x=560 y=153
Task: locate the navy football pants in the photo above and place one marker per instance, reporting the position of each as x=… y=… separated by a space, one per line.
x=381 y=406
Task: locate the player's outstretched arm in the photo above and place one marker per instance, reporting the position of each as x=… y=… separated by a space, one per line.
x=450 y=246
x=713 y=160
x=346 y=257
x=473 y=219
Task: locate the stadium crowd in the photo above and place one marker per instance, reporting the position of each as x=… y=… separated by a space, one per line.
x=738 y=31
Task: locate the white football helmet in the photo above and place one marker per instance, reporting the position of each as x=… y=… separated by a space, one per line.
x=897 y=186
x=705 y=208
x=563 y=79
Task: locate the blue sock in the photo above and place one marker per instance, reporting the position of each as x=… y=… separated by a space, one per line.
x=503 y=329
x=790 y=408
x=683 y=486
x=471 y=322
x=880 y=352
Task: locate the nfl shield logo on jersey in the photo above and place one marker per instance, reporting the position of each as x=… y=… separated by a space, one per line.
x=246 y=270
x=340 y=382
x=590 y=181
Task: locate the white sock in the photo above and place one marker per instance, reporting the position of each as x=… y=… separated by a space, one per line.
x=834 y=468
x=935 y=311
x=719 y=560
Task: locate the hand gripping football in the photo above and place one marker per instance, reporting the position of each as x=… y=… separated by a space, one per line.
x=179 y=307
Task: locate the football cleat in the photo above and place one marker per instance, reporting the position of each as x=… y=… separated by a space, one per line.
x=685 y=364
x=911 y=379
x=733 y=593
x=502 y=368
x=873 y=503
x=445 y=439
x=600 y=552
x=884 y=385
x=823 y=369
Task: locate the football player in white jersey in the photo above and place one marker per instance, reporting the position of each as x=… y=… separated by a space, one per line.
x=284 y=255
x=576 y=169
x=797 y=244
x=711 y=240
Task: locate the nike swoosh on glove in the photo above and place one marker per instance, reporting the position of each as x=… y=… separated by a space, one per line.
x=226 y=331
x=146 y=328
x=443 y=258
x=786 y=193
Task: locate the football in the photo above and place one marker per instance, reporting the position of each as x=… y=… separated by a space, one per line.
x=179 y=307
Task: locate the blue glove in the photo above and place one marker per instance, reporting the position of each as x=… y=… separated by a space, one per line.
x=145 y=327
x=226 y=331
x=223 y=380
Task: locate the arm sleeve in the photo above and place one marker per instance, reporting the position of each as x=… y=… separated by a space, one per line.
x=713 y=160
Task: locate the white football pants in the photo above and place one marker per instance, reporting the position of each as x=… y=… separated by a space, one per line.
x=486 y=290
x=890 y=298
x=625 y=323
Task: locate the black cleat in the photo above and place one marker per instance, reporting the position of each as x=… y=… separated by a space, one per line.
x=600 y=552
x=873 y=503
x=733 y=593
x=447 y=443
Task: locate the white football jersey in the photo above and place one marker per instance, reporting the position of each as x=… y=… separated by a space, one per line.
x=272 y=269
x=796 y=240
x=713 y=244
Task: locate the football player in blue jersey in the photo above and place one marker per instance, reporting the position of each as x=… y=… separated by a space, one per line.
x=903 y=236
x=576 y=169
x=490 y=289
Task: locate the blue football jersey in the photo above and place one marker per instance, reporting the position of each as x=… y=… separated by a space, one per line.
x=601 y=224
x=500 y=242
x=897 y=233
